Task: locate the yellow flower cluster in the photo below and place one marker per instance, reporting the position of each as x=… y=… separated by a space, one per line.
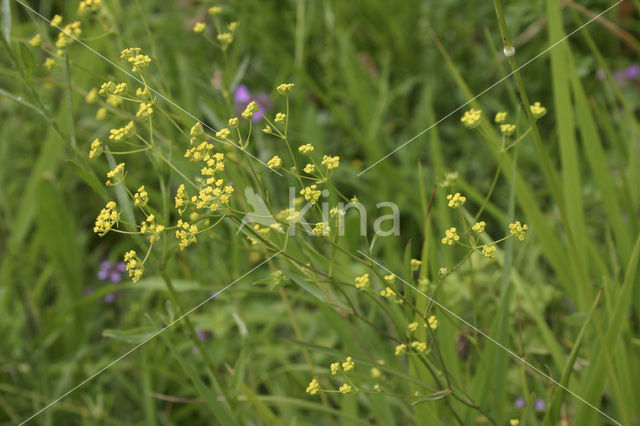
x=225 y=40
x=518 y=230
x=348 y=364
x=433 y=322
x=128 y=130
x=313 y=388
x=251 y=109
x=135 y=266
x=331 y=162
x=117 y=174
x=149 y=226
x=95 y=149
x=107 y=218
x=489 y=252
x=456 y=200
x=390 y=278
x=479 y=227
x=280 y=117
x=471 y=118
x=306 y=149
x=419 y=347
x=500 y=117
x=145 y=111
x=199 y=27
x=215 y=11
x=181 y=199
x=111 y=88
x=56 y=20
x=538 y=110
x=413 y=326
x=138 y=61
x=311 y=194
x=223 y=133
x=309 y=168
x=141 y=197
x=186 y=234
x=320 y=229
x=49 y=63
x=450 y=237
x=87 y=6
x=68 y=33
x=507 y=129
x=35 y=41
x=345 y=388
x=415 y=264
x=401 y=349
x=275 y=162
x=388 y=293
x=362 y=281
x=285 y=89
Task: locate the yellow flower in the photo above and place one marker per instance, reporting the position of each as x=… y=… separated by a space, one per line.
x=413 y=326
x=141 y=197
x=538 y=110
x=123 y=132
x=479 y=226
x=49 y=63
x=345 y=388
x=56 y=20
x=138 y=61
x=489 y=252
x=388 y=293
x=135 y=267
x=225 y=40
x=375 y=372
x=518 y=230
x=185 y=234
x=181 y=199
x=456 y=200
x=335 y=368
x=419 y=347
x=65 y=37
x=500 y=117
x=390 y=278
x=88 y=6
x=514 y=422
x=251 y=109
x=142 y=92
x=451 y=236
x=433 y=322
x=309 y=168
x=215 y=10
x=117 y=174
x=95 y=149
x=306 y=149
x=101 y=114
x=311 y=194
x=223 y=133
x=285 y=89
x=107 y=218
x=199 y=27
x=401 y=349
x=507 y=129
x=91 y=96
x=280 y=117
x=471 y=118
x=362 y=281
x=233 y=122
x=348 y=364
x=275 y=162
x=415 y=264
x=35 y=41
x=313 y=388
x=145 y=111
x=331 y=162
x=321 y=228
x=233 y=26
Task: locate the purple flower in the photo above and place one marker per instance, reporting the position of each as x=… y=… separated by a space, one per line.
x=631 y=72
x=519 y=403
x=539 y=405
x=111 y=272
x=242 y=97
x=622 y=76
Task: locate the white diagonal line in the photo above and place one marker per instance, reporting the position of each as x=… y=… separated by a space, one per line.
x=500 y=345
x=142 y=83
x=97 y=373
x=490 y=87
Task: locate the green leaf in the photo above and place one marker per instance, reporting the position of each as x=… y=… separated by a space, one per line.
x=135 y=335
